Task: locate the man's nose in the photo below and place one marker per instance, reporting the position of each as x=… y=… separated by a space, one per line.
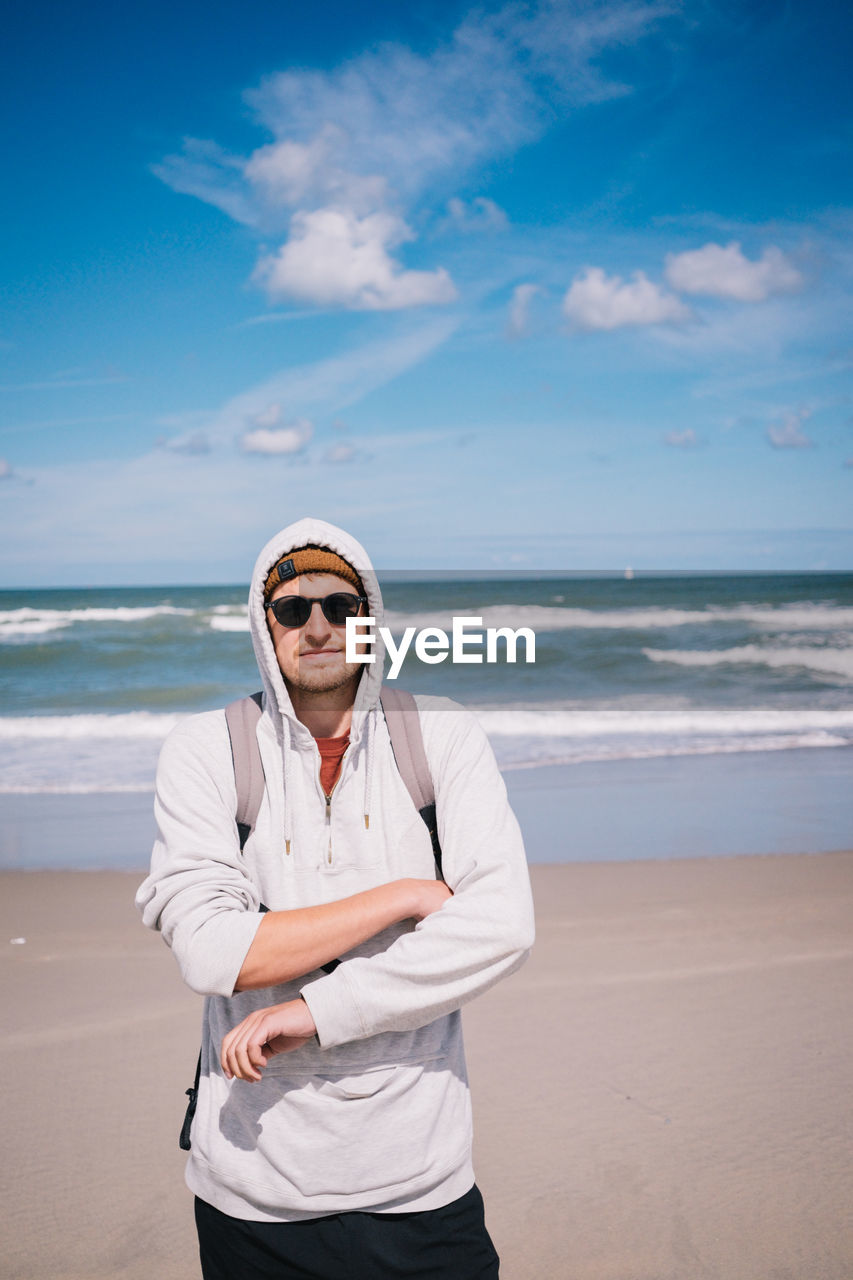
x=317 y=627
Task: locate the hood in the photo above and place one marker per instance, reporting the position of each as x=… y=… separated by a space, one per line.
x=300 y=534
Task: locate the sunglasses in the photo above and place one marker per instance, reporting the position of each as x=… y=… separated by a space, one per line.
x=294 y=611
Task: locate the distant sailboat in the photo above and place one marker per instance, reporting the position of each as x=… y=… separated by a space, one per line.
x=629 y=573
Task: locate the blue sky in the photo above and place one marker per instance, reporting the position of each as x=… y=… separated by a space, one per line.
x=558 y=285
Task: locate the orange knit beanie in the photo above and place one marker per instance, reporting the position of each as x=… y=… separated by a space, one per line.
x=311 y=559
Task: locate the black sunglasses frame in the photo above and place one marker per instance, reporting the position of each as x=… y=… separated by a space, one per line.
x=325 y=603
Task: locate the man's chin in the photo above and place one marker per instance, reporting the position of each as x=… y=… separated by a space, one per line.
x=315 y=676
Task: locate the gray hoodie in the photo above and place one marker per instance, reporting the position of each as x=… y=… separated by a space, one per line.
x=374 y=1114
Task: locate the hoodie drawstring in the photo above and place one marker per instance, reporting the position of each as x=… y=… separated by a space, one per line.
x=287 y=752
x=370 y=734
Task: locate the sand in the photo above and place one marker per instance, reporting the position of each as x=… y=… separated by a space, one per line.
x=662 y=1093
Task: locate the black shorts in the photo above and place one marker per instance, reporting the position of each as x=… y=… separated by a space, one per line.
x=450 y=1243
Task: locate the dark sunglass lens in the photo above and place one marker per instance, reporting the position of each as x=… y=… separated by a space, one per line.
x=291 y=611
x=340 y=606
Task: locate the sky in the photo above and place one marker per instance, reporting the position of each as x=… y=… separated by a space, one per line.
x=558 y=285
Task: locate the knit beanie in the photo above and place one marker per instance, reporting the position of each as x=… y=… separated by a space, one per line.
x=311 y=559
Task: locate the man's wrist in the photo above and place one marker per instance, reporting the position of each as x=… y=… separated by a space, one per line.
x=305 y=1010
x=410 y=899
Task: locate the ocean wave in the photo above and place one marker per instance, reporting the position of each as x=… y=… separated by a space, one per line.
x=802 y=616
x=31 y=623
x=556 y=720
x=791 y=617
x=825 y=661
x=82 y=754
x=528 y=720
x=133 y=724
x=24 y=622
x=26 y=627
x=229 y=622
x=526 y=756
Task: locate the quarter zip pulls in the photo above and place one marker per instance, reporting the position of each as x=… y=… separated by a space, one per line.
x=331 y=755
x=332 y=751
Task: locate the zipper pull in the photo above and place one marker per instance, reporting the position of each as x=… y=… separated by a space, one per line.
x=328 y=807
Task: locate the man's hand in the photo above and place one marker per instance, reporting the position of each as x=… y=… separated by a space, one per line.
x=278 y=1029
x=430 y=896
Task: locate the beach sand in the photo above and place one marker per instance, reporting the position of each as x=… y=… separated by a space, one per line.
x=662 y=1093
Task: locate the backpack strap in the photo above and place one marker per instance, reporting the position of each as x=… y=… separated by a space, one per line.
x=184 y=1141
x=242 y=719
x=407 y=743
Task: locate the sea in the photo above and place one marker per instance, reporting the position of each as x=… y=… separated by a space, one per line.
x=628 y=668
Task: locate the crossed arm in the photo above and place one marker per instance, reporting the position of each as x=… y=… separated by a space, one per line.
x=207 y=910
x=289 y=944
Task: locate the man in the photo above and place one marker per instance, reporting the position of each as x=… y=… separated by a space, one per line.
x=332 y=1135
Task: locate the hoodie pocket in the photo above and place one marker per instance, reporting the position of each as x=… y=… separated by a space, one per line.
x=362 y=1084
x=370 y=1136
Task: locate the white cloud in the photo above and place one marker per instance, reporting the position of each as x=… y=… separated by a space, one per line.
x=686 y=439
x=789 y=434
x=480 y=215
x=519 y=309
x=281 y=440
x=6 y=472
x=287 y=172
x=354 y=146
x=598 y=301
x=293 y=174
x=724 y=272
x=334 y=258
x=208 y=172
x=490 y=87
x=267 y=436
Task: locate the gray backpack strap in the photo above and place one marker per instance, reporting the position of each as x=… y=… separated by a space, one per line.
x=407 y=743
x=242 y=719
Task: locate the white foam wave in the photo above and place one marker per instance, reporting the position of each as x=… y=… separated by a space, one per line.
x=528 y=720
x=826 y=661
x=229 y=622
x=525 y=755
x=803 y=616
x=793 y=617
x=81 y=754
x=85 y=754
x=134 y=724
x=30 y=627
x=24 y=622
x=572 y=721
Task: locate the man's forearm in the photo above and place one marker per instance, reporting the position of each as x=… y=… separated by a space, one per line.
x=289 y=944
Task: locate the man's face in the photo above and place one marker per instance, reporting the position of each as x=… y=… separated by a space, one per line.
x=312 y=658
